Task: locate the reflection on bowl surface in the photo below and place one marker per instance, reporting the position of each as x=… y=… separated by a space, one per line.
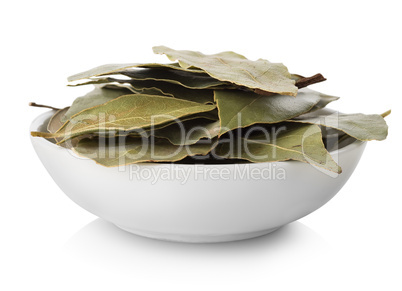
x=196 y=203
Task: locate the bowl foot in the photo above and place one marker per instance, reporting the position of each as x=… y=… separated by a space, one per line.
x=198 y=238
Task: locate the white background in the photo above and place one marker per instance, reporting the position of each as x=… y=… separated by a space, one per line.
x=49 y=243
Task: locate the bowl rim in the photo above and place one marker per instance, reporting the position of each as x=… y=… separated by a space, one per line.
x=38 y=121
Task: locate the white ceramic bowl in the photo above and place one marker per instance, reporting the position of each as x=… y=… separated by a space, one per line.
x=216 y=203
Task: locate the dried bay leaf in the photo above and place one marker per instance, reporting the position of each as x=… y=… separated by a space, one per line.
x=200 y=95
x=96 y=97
x=116 y=68
x=119 y=84
x=205 y=108
x=324 y=101
x=301 y=142
x=235 y=68
x=190 y=132
x=134 y=150
x=185 y=79
x=55 y=121
x=146 y=91
x=360 y=126
x=207 y=117
x=99 y=81
x=126 y=113
x=339 y=141
x=167 y=89
x=241 y=109
x=146 y=132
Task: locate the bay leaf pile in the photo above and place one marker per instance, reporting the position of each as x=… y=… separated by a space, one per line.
x=220 y=108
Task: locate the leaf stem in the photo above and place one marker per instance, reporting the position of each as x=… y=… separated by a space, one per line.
x=301 y=83
x=307 y=81
x=44 y=106
x=386 y=113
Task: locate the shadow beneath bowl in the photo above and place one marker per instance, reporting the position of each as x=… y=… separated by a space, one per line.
x=101 y=242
